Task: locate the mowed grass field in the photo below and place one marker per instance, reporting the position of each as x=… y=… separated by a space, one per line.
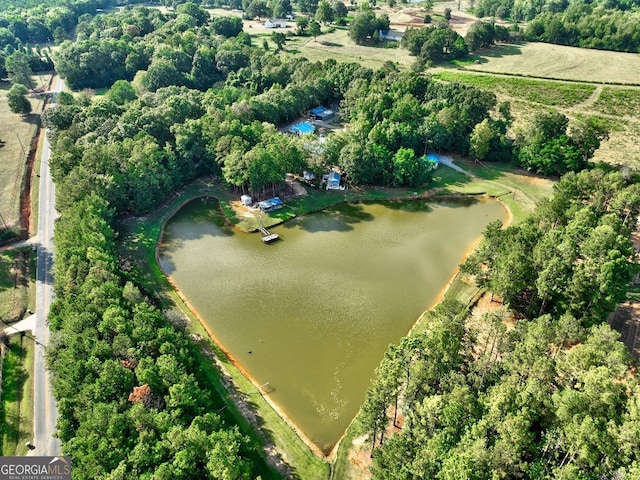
x=544 y=60
x=16 y=134
x=339 y=46
x=15 y=282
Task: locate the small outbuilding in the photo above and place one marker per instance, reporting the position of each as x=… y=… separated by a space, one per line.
x=333 y=181
x=246 y=200
x=275 y=23
x=321 y=113
x=271 y=204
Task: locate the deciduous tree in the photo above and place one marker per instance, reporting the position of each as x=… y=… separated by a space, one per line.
x=17 y=99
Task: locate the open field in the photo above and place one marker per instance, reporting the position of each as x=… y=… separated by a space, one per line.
x=558 y=94
x=339 y=46
x=544 y=60
x=617 y=107
x=16 y=135
x=15 y=283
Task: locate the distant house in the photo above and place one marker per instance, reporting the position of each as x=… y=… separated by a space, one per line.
x=392 y=35
x=246 y=200
x=271 y=204
x=333 y=181
x=321 y=113
x=275 y=23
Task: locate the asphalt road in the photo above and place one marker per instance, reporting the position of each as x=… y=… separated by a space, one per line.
x=45 y=410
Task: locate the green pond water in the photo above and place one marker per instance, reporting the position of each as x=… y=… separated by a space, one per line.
x=311 y=315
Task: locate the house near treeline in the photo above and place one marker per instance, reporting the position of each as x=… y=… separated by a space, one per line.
x=246 y=200
x=321 y=113
x=275 y=23
x=392 y=35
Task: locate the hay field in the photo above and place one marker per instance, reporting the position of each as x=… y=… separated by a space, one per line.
x=16 y=134
x=555 y=61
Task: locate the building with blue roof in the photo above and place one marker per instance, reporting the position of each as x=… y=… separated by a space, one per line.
x=333 y=181
x=321 y=113
x=302 y=128
x=270 y=204
x=434 y=158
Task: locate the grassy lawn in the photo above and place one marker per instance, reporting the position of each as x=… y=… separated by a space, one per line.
x=16 y=268
x=544 y=60
x=339 y=46
x=16 y=407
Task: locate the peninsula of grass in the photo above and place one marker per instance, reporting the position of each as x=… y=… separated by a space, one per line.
x=140 y=238
x=544 y=92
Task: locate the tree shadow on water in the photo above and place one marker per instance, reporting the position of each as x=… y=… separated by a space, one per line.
x=416 y=205
x=340 y=218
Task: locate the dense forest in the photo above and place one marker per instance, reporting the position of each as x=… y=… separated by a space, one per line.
x=132 y=400
x=161 y=129
x=549 y=392
x=28 y=28
x=605 y=25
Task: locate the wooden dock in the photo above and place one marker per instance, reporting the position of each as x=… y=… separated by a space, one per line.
x=268 y=237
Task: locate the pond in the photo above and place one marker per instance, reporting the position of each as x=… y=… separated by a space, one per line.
x=310 y=316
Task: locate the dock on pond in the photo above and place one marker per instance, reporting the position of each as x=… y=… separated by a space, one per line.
x=268 y=237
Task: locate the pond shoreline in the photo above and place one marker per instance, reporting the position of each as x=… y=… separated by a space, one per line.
x=241 y=401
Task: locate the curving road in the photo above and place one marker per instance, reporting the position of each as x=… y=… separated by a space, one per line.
x=45 y=410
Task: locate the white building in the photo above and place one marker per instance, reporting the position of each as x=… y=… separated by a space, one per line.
x=275 y=23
